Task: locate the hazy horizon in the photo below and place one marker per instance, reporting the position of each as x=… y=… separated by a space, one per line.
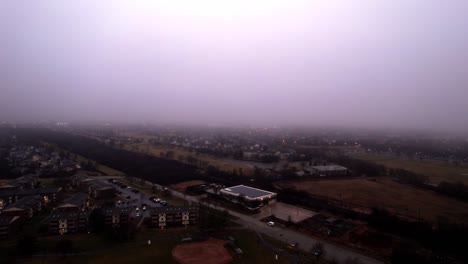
x=363 y=63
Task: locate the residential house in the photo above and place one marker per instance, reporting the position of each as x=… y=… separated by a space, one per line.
x=48 y=195
x=76 y=203
x=25 y=208
x=69 y=222
x=174 y=216
x=115 y=217
x=101 y=190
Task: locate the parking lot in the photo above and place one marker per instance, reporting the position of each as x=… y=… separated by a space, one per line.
x=131 y=197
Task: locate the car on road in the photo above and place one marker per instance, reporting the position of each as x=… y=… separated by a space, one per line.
x=271 y=223
x=293 y=245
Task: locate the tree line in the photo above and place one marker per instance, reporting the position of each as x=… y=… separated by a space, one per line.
x=162 y=170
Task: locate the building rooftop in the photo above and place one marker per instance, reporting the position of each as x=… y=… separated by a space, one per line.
x=172 y=209
x=115 y=210
x=77 y=199
x=40 y=191
x=47 y=190
x=97 y=185
x=329 y=168
x=247 y=191
x=67 y=215
x=6 y=220
x=24 y=179
x=26 y=202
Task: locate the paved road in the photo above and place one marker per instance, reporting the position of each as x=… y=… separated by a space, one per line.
x=305 y=242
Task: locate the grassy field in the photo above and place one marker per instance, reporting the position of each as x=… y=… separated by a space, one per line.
x=254 y=251
x=181 y=152
x=181 y=186
x=383 y=192
x=436 y=170
x=138 y=251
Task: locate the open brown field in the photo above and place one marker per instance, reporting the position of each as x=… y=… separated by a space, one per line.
x=181 y=186
x=180 y=152
x=437 y=170
x=383 y=192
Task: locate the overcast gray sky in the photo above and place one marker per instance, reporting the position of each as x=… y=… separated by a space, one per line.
x=398 y=63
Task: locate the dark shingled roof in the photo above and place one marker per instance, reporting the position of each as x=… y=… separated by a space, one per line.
x=77 y=199
x=26 y=202
x=6 y=220
x=172 y=209
x=68 y=215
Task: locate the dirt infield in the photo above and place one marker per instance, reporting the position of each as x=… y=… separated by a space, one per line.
x=211 y=251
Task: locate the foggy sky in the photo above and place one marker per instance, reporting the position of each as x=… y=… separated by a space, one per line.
x=371 y=63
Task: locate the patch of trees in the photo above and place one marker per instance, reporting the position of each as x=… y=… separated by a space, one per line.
x=360 y=167
x=210 y=218
x=409 y=177
x=446 y=239
x=269 y=158
x=454 y=149
x=88 y=165
x=4 y=168
x=64 y=246
x=26 y=245
x=457 y=190
x=124 y=232
x=161 y=170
